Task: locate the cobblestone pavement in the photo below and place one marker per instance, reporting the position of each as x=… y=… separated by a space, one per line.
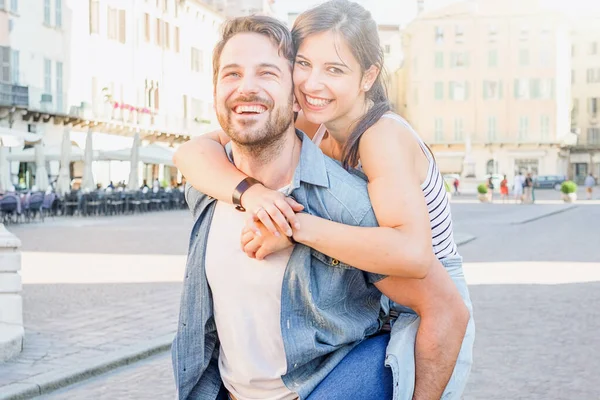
x=535 y=340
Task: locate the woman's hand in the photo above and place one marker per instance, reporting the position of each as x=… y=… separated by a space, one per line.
x=276 y=211
x=262 y=244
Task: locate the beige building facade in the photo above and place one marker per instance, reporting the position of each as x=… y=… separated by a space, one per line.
x=488 y=87
x=585 y=152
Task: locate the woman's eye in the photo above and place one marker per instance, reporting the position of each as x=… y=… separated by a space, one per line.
x=334 y=70
x=302 y=63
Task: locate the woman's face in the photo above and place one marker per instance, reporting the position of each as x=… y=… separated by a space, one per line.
x=327 y=79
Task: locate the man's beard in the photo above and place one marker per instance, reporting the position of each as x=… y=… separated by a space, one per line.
x=262 y=142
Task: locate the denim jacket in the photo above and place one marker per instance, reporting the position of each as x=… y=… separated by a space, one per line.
x=327 y=307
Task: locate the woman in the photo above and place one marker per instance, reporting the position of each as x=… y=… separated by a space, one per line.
x=504 y=189
x=340 y=89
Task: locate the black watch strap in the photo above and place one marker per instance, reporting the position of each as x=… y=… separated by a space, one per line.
x=239 y=191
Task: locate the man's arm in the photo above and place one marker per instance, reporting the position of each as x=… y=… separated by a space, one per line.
x=444 y=319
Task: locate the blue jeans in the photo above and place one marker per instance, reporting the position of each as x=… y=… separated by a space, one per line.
x=362 y=374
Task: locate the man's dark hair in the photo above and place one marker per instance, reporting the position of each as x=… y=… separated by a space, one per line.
x=270 y=27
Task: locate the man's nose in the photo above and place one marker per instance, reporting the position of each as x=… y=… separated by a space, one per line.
x=248 y=85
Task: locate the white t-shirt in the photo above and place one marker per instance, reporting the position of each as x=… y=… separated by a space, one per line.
x=247 y=306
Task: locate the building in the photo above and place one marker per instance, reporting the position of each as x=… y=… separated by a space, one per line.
x=488 y=86
x=114 y=67
x=585 y=153
x=390 y=38
x=237 y=8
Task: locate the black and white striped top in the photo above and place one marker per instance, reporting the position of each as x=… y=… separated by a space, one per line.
x=434 y=191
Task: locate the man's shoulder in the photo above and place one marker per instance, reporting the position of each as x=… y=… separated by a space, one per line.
x=346 y=196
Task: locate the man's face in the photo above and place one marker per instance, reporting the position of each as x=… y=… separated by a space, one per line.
x=253 y=94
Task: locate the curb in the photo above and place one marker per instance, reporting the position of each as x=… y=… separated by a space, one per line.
x=548 y=214
x=461 y=239
x=51 y=381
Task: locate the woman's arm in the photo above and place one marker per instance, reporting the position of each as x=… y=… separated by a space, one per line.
x=401 y=246
x=204 y=163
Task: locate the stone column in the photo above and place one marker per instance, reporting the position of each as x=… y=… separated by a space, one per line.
x=11 y=303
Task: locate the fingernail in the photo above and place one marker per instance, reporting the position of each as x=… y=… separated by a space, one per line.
x=258 y=233
x=289 y=232
x=297 y=225
x=277 y=234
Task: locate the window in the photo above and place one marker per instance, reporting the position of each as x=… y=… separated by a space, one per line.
x=58 y=13
x=122 y=26
x=492 y=129
x=492 y=90
x=535 y=89
x=111 y=20
x=493 y=58
x=593 y=103
x=387 y=49
x=593 y=135
x=5 y=64
x=2 y=5
x=524 y=33
x=439 y=35
x=167 y=36
x=521 y=90
x=545 y=57
x=545 y=127
x=176 y=39
x=593 y=48
x=593 y=75
x=439 y=59
x=47 y=12
x=523 y=57
x=458 y=91
x=158 y=36
x=147 y=27
x=492 y=33
x=59 y=86
x=197 y=61
x=546 y=88
x=459 y=60
x=439 y=130
x=458 y=130
x=14 y=5
x=459 y=34
x=523 y=127
x=47 y=76
x=15 y=66
x=94 y=16
x=439 y=91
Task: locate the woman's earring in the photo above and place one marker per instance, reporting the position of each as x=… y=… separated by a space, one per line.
x=366 y=88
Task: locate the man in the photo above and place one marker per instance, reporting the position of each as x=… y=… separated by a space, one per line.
x=528 y=188
x=276 y=328
x=589 y=184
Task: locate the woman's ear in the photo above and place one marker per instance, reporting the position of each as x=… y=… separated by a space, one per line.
x=369 y=77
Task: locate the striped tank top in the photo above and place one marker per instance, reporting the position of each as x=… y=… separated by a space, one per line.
x=434 y=193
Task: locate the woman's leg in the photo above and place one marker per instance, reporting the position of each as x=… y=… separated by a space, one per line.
x=362 y=374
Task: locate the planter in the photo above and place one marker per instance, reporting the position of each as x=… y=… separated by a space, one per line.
x=484 y=198
x=569 y=198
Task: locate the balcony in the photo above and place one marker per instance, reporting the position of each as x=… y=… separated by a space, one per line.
x=14 y=95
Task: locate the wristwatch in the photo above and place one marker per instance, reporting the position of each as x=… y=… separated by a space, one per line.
x=244 y=185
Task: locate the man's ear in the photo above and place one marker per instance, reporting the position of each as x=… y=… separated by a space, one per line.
x=296 y=106
x=369 y=77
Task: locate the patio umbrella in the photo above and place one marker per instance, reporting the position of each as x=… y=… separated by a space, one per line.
x=63 y=184
x=134 y=183
x=4 y=171
x=87 y=182
x=41 y=173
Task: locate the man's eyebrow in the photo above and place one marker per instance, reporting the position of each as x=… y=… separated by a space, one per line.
x=230 y=66
x=334 y=63
x=269 y=65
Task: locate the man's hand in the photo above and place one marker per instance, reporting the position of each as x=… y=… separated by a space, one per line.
x=258 y=242
x=444 y=318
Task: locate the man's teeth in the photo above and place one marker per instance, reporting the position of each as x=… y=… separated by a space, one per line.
x=317 y=102
x=250 y=109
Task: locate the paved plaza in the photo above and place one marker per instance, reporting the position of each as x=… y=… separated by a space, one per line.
x=99 y=289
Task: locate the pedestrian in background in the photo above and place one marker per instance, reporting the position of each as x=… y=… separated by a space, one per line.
x=589 y=184
x=504 y=189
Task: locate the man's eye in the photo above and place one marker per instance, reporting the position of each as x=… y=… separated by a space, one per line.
x=231 y=74
x=268 y=73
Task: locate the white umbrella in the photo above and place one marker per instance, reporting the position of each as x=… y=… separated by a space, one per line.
x=4 y=171
x=134 y=183
x=63 y=184
x=151 y=154
x=51 y=153
x=41 y=173
x=87 y=182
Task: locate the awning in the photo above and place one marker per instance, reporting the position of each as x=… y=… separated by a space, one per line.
x=51 y=153
x=151 y=154
x=13 y=138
